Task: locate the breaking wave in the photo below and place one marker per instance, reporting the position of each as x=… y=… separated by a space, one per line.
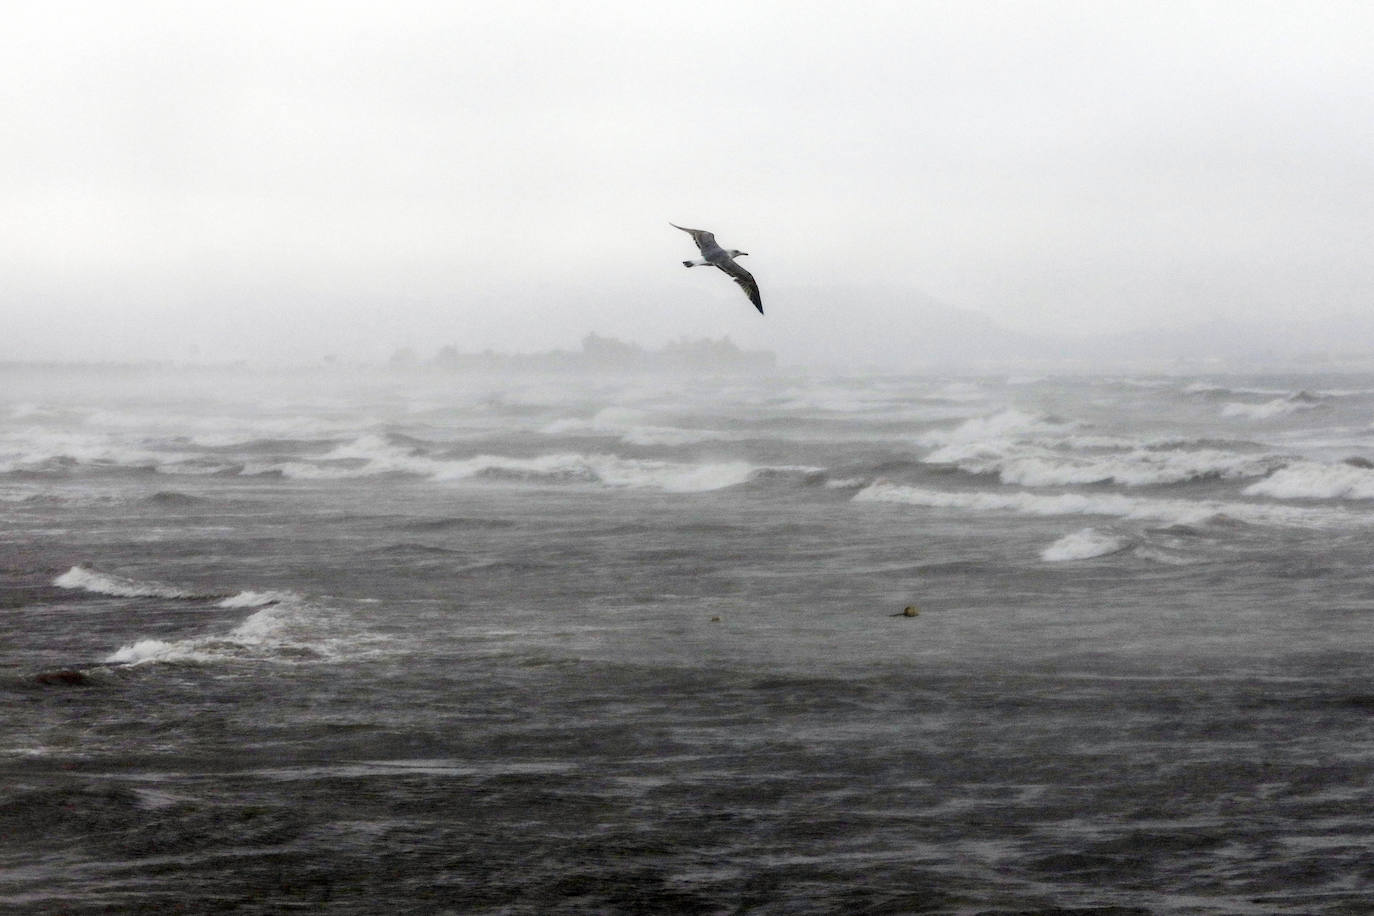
x=275 y=632
x=631 y=426
x=1171 y=511
x=257 y=599
x=61 y=453
x=1048 y=465
x=1006 y=424
x=284 y=628
x=373 y=456
x=1278 y=407
x=1311 y=480
x=91 y=580
x=1084 y=544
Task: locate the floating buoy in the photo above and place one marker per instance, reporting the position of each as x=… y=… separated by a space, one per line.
x=715 y=620
x=910 y=610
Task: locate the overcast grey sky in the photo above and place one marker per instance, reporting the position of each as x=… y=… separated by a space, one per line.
x=300 y=178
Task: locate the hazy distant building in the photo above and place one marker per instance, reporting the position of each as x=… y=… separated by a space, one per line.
x=600 y=353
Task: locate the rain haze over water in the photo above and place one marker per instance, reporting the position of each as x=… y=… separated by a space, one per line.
x=390 y=523
x=286 y=181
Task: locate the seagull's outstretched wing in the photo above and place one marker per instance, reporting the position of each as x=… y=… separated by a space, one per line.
x=706 y=241
x=745 y=280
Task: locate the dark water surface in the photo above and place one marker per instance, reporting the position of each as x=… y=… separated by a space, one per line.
x=455 y=645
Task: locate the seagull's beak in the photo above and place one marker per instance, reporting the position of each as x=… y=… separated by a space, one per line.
x=743 y=253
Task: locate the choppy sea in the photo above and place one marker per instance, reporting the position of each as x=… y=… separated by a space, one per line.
x=442 y=643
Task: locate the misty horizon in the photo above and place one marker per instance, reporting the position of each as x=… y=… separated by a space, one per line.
x=280 y=182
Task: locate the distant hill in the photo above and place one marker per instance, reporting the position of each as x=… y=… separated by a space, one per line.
x=901 y=330
x=908 y=330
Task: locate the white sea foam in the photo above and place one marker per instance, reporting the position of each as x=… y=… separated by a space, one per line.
x=1034 y=465
x=1313 y=480
x=157 y=650
x=34 y=449
x=611 y=470
x=1170 y=511
x=632 y=426
x=1006 y=424
x=1084 y=544
x=1278 y=407
x=256 y=599
x=224 y=432
x=673 y=477
x=285 y=629
x=198 y=467
x=380 y=457
x=81 y=577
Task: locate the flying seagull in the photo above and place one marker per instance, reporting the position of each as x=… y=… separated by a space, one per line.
x=713 y=254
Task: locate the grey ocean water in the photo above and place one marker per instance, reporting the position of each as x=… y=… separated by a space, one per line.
x=444 y=643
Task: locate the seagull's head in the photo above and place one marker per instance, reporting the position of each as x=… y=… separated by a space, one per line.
x=736 y=253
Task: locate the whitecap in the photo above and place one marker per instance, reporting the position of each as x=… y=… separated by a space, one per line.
x=1032 y=465
x=1172 y=511
x=1312 y=480
x=1084 y=544
x=285 y=628
x=1006 y=424
x=670 y=476
x=609 y=470
x=380 y=457
x=1278 y=407
x=86 y=579
x=156 y=650
x=38 y=450
x=632 y=426
x=248 y=598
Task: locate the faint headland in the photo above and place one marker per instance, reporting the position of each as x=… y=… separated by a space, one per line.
x=597 y=354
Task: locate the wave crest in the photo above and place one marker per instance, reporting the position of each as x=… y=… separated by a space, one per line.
x=1268 y=410
x=1311 y=480
x=1009 y=423
x=1171 y=511
x=1084 y=544
x=91 y=580
x=1041 y=466
x=289 y=629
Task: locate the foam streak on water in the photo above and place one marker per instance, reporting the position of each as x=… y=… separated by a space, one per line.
x=443 y=643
